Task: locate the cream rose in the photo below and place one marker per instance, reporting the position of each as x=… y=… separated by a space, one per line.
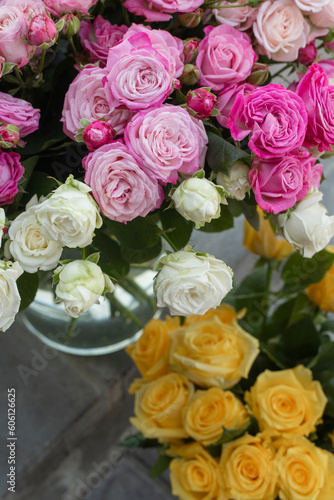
x=309 y=6
x=10 y=299
x=236 y=183
x=324 y=18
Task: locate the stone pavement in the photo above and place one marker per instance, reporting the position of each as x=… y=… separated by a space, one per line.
x=72 y=411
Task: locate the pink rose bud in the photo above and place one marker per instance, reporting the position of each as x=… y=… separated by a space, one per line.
x=190 y=48
x=190 y=74
x=259 y=74
x=71 y=25
x=200 y=103
x=191 y=19
x=9 y=136
x=42 y=30
x=97 y=134
x=308 y=54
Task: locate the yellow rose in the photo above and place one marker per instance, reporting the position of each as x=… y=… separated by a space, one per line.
x=305 y=472
x=247 y=469
x=263 y=242
x=225 y=313
x=151 y=351
x=212 y=353
x=209 y=411
x=195 y=476
x=159 y=405
x=322 y=293
x=287 y=401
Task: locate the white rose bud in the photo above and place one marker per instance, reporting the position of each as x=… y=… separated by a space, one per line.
x=2 y=223
x=198 y=200
x=191 y=283
x=307 y=227
x=10 y=299
x=69 y=215
x=28 y=246
x=236 y=183
x=81 y=284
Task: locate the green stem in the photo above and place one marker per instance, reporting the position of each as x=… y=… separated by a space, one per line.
x=280 y=71
x=42 y=61
x=173 y=26
x=124 y=311
x=70 y=330
x=83 y=253
x=125 y=14
x=138 y=292
x=73 y=45
x=18 y=76
x=169 y=241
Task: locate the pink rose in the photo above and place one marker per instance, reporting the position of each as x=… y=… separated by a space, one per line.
x=160 y=10
x=13 y=27
x=166 y=140
x=97 y=38
x=224 y=56
x=20 y=113
x=278 y=183
x=239 y=17
x=86 y=99
x=190 y=49
x=29 y=8
x=324 y=18
x=307 y=54
x=59 y=7
x=166 y=44
x=138 y=75
x=275 y=117
x=328 y=66
x=309 y=6
x=201 y=102
x=41 y=29
x=97 y=134
x=11 y=172
x=227 y=97
x=281 y=30
x=318 y=97
x=121 y=188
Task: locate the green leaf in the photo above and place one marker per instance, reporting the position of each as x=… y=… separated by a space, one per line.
x=40 y=183
x=137 y=234
x=232 y=434
x=300 y=272
x=224 y=222
x=27 y=285
x=29 y=166
x=112 y=262
x=324 y=359
x=138 y=441
x=181 y=228
x=221 y=154
x=94 y=257
x=143 y=255
x=160 y=466
x=249 y=209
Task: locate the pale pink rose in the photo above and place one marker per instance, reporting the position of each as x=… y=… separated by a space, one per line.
x=227 y=97
x=281 y=30
x=309 y=6
x=166 y=44
x=239 y=17
x=97 y=38
x=278 y=183
x=29 y=8
x=59 y=7
x=224 y=56
x=13 y=27
x=160 y=10
x=11 y=172
x=166 y=140
x=328 y=66
x=325 y=17
x=86 y=99
x=20 y=113
x=121 y=188
x=275 y=118
x=318 y=96
x=138 y=75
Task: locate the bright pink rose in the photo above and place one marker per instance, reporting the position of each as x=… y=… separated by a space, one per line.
x=160 y=10
x=224 y=56
x=41 y=29
x=138 y=75
x=307 y=54
x=166 y=44
x=318 y=97
x=121 y=188
x=166 y=140
x=239 y=17
x=11 y=172
x=227 y=97
x=201 y=102
x=97 y=134
x=59 y=7
x=86 y=99
x=275 y=117
x=278 y=183
x=328 y=66
x=20 y=113
x=13 y=27
x=97 y=38
x=324 y=18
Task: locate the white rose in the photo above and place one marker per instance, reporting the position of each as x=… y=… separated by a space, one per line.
x=28 y=246
x=198 y=200
x=10 y=299
x=311 y=5
x=238 y=17
x=81 y=284
x=70 y=215
x=307 y=227
x=236 y=183
x=2 y=223
x=191 y=283
x=324 y=18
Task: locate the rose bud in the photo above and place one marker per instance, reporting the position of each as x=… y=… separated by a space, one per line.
x=200 y=103
x=190 y=49
x=97 y=134
x=71 y=25
x=190 y=74
x=42 y=30
x=259 y=74
x=191 y=19
x=9 y=136
x=308 y=54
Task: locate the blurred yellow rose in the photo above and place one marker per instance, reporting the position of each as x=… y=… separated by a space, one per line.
x=195 y=476
x=247 y=469
x=305 y=472
x=287 y=401
x=159 y=405
x=213 y=353
x=322 y=293
x=264 y=242
x=224 y=312
x=209 y=411
x=151 y=351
